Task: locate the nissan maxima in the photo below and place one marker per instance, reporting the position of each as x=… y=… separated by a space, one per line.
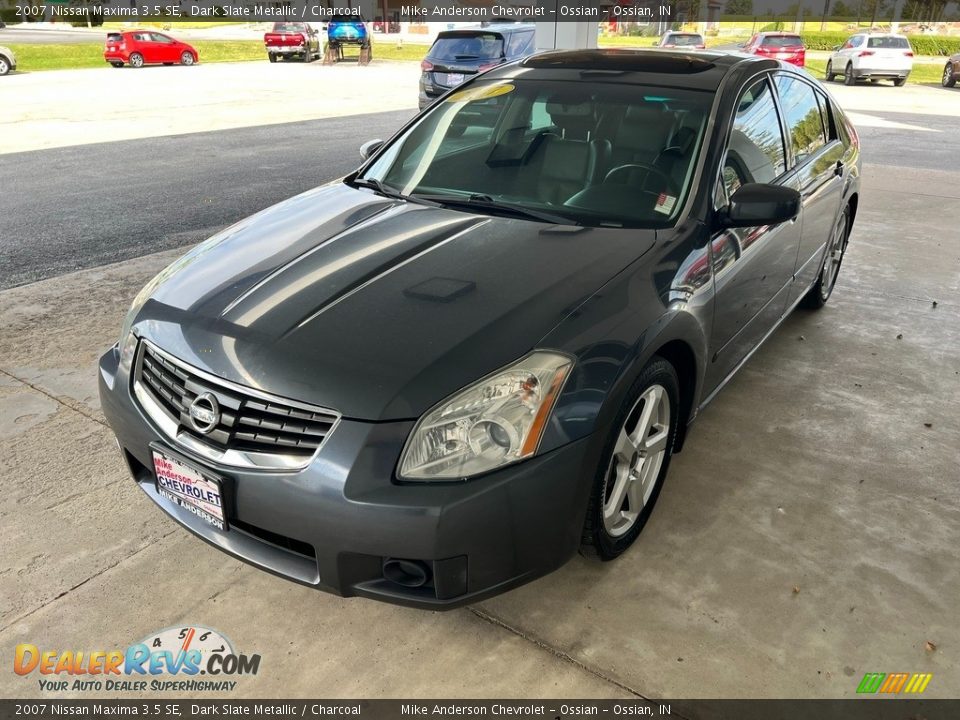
x=441 y=376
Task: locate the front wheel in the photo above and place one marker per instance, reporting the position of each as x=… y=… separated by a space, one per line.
x=636 y=458
x=948 y=80
x=829 y=74
x=832 y=259
x=848 y=77
x=136 y=60
x=187 y=58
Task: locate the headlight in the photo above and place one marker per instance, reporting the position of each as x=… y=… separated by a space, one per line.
x=497 y=421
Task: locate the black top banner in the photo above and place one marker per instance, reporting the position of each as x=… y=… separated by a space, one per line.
x=432 y=11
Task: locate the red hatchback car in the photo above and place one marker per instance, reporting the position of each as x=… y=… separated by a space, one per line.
x=779 y=46
x=147 y=47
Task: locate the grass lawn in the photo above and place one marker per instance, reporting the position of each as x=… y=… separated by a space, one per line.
x=90 y=55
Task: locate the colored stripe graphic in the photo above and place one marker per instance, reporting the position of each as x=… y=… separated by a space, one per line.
x=918 y=682
x=894 y=683
x=871 y=682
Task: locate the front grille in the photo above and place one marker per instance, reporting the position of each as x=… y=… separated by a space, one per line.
x=254 y=429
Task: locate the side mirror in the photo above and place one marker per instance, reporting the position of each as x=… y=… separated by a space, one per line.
x=369 y=148
x=756 y=204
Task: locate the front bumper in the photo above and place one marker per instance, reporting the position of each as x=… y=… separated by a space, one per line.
x=334 y=524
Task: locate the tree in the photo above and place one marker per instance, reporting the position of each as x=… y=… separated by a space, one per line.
x=739 y=7
x=840 y=9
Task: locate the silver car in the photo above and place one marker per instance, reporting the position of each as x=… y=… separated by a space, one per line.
x=8 y=61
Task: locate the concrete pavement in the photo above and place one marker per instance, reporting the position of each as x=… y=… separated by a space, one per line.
x=62 y=108
x=806 y=534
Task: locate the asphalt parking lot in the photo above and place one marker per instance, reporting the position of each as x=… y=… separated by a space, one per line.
x=806 y=535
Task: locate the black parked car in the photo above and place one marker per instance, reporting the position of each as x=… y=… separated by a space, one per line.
x=439 y=377
x=457 y=55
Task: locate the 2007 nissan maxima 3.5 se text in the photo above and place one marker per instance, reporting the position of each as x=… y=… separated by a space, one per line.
x=437 y=378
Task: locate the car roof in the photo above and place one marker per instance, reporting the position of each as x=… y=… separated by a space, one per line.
x=493 y=27
x=681 y=32
x=773 y=33
x=697 y=70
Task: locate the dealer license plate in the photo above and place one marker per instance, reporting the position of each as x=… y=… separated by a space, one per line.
x=454 y=79
x=191 y=489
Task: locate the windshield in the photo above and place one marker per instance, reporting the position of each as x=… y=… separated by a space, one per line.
x=480 y=46
x=888 y=43
x=288 y=27
x=685 y=40
x=609 y=154
x=782 y=41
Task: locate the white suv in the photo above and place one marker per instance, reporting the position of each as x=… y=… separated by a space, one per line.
x=872 y=56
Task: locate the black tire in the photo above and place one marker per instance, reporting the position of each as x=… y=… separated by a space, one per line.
x=168 y=64
x=272 y=57
x=948 y=80
x=900 y=82
x=848 y=76
x=822 y=289
x=597 y=541
x=187 y=58
x=829 y=74
x=136 y=60
x=117 y=64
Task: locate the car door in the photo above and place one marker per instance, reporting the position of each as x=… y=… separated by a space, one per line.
x=846 y=52
x=816 y=156
x=167 y=48
x=753 y=267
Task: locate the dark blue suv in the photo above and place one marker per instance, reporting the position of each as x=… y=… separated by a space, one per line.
x=458 y=55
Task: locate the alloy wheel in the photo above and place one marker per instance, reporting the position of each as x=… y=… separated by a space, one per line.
x=637 y=458
x=136 y=60
x=947 y=79
x=4 y=67
x=186 y=58
x=834 y=258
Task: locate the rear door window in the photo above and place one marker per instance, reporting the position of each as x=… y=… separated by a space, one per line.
x=467 y=47
x=801 y=111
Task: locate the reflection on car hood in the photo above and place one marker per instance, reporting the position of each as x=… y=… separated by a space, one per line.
x=373 y=307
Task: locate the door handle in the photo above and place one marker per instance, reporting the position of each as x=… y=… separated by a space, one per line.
x=838 y=168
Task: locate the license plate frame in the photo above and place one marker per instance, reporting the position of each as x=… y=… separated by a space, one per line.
x=201 y=493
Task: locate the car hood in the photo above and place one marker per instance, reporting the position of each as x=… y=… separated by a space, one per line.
x=373 y=307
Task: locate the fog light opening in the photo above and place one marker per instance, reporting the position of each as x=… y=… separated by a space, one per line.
x=409 y=573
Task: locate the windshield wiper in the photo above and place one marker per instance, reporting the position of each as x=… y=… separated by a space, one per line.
x=482 y=201
x=388 y=191
x=379 y=186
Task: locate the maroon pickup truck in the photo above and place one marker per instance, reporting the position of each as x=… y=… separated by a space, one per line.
x=292 y=39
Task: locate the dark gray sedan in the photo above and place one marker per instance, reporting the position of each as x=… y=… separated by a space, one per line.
x=441 y=376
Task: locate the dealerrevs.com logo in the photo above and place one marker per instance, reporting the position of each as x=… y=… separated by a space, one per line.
x=180 y=659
